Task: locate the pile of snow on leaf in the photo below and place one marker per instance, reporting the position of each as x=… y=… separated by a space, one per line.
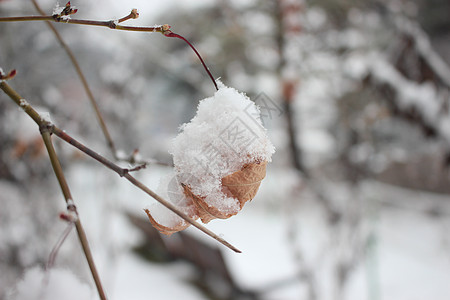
x=220 y=158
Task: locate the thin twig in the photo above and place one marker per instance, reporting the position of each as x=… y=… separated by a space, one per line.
x=125 y=173
x=133 y=15
x=59 y=243
x=26 y=18
x=138 y=168
x=172 y=34
x=101 y=159
x=43 y=126
x=54 y=253
x=84 y=82
x=179 y=212
x=48 y=128
x=68 y=197
x=112 y=24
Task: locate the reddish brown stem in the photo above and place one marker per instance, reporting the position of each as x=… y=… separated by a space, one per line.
x=133 y=15
x=172 y=34
x=164 y=29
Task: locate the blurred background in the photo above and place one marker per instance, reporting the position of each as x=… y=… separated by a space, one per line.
x=355 y=97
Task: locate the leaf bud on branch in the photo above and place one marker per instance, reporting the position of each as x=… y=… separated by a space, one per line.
x=7 y=76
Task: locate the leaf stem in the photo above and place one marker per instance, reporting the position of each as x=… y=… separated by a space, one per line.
x=169 y=33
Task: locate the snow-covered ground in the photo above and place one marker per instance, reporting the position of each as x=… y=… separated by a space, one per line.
x=408 y=257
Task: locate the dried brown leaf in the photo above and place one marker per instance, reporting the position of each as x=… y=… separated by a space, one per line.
x=181 y=225
x=242 y=185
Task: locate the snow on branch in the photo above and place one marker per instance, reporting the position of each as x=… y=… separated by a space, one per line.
x=423 y=47
x=424 y=101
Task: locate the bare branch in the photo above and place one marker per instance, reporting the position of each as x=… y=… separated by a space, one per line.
x=48 y=128
x=112 y=24
x=84 y=82
x=68 y=197
x=64 y=17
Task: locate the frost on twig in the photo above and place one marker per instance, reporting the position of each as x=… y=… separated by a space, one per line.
x=63 y=13
x=45 y=117
x=23 y=104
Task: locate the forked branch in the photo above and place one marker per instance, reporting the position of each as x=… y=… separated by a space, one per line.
x=83 y=79
x=51 y=128
x=68 y=197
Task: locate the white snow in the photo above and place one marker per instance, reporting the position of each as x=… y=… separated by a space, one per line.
x=138 y=279
x=23 y=103
x=56 y=284
x=57 y=9
x=121 y=155
x=45 y=116
x=225 y=134
x=423 y=46
x=423 y=97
